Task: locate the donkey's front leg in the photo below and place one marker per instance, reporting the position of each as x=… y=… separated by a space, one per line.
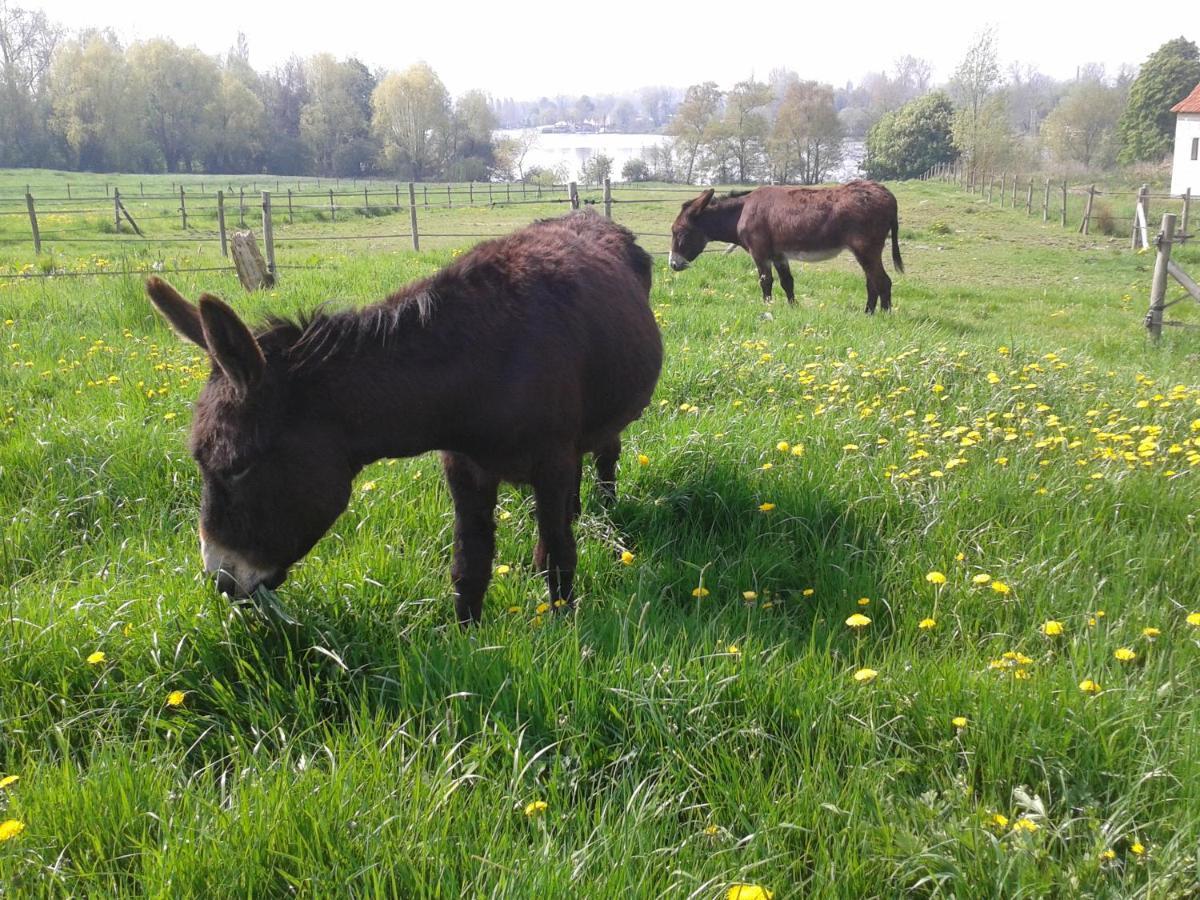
x=474 y=493
x=554 y=489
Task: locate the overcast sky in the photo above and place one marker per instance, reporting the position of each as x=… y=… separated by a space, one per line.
x=530 y=49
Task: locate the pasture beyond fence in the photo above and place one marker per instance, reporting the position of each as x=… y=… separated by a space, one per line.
x=284 y=213
x=1052 y=198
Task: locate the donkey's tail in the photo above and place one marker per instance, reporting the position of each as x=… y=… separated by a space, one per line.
x=896 y=243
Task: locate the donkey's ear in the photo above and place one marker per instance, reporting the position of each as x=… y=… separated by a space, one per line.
x=230 y=343
x=182 y=316
x=703 y=200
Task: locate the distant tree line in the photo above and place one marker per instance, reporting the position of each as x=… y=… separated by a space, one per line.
x=89 y=103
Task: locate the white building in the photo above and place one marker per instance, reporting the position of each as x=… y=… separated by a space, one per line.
x=1185 y=172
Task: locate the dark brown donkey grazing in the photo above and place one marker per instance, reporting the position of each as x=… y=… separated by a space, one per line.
x=514 y=361
x=777 y=223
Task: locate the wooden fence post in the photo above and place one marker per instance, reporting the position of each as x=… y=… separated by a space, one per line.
x=366 y=198
x=221 y=223
x=397 y=198
x=412 y=214
x=1029 y=199
x=332 y=208
x=1187 y=203
x=573 y=194
x=449 y=198
x=1003 y=188
x=242 y=206
x=425 y=191
x=268 y=233
x=471 y=192
x=1046 y=203
x=182 y=208
x=607 y=197
x=116 y=209
x=37 y=235
x=1013 y=204
x=1064 y=203
x=1140 y=223
x=291 y=217
x=1158 y=287
x=1086 y=224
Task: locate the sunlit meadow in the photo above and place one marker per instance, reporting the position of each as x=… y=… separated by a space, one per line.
x=890 y=605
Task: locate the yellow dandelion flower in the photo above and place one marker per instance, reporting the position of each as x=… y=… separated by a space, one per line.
x=9 y=780
x=1088 y=686
x=176 y=698
x=1193 y=619
x=700 y=592
x=1026 y=825
x=643 y=459
x=542 y=608
x=808 y=592
x=627 y=557
x=783 y=446
x=858 y=620
x=536 y=808
x=1052 y=628
x=368 y=486
x=749 y=892
x=982 y=578
x=503 y=570
x=749 y=596
x=711 y=830
x=1124 y=654
x=864 y=601
x=797 y=450
x=1000 y=587
x=927 y=624
x=850 y=447
x=1151 y=633
x=733 y=650
x=1137 y=848
x=10 y=829
x=935 y=577
x=999 y=820
x=560 y=603
x=865 y=676
x=96 y=658
x=514 y=609
x=959 y=722
x=1108 y=855
x=766 y=507
x=959 y=557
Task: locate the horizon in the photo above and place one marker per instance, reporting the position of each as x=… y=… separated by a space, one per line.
x=585 y=59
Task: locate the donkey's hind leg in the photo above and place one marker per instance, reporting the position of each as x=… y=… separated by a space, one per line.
x=785 y=278
x=554 y=483
x=606 y=471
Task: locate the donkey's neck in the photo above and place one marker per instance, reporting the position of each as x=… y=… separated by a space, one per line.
x=392 y=387
x=720 y=220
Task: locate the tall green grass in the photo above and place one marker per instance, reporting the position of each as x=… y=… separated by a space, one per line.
x=683 y=735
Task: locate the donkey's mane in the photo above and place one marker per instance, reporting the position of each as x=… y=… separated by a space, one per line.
x=314 y=337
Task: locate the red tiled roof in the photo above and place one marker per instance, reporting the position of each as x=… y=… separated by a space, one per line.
x=1190 y=103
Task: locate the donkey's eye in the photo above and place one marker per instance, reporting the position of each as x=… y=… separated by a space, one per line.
x=238 y=474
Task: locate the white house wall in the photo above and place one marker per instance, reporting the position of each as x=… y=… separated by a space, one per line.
x=1185 y=172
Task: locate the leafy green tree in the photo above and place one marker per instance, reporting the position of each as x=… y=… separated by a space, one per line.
x=806 y=140
x=905 y=143
x=635 y=170
x=982 y=134
x=27 y=44
x=1082 y=128
x=91 y=105
x=335 y=123
x=412 y=120
x=596 y=168
x=471 y=151
x=746 y=126
x=692 y=126
x=175 y=91
x=1147 y=125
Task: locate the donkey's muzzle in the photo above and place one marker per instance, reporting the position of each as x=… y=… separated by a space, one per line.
x=678 y=263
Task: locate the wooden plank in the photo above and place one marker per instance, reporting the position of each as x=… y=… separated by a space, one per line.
x=1182 y=277
x=412 y=214
x=1158 y=286
x=268 y=234
x=37 y=235
x=221 y=223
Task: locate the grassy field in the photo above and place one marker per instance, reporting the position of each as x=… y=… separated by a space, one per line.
x=1001 y=476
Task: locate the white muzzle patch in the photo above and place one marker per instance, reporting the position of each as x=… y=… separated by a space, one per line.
x=230 y=569
x=677 y=262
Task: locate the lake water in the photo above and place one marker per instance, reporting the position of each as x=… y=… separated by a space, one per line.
x=571 y=151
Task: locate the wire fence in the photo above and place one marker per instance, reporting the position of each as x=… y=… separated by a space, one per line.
x=145 y=226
